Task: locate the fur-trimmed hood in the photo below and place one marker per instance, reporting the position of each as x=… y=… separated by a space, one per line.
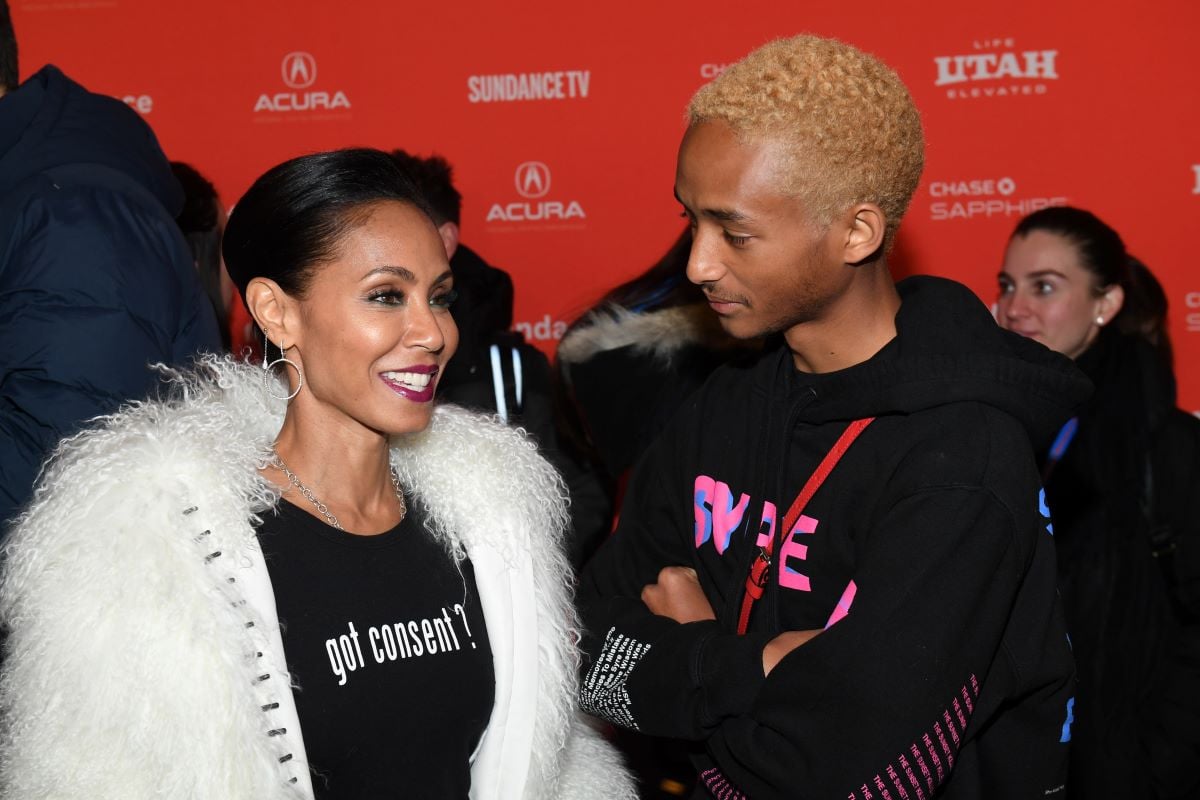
x=659 y=333
x=144 y=657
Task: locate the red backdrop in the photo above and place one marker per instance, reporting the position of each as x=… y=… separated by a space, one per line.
x=562 y=120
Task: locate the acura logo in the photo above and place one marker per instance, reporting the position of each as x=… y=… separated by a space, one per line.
x=299 y=70
x=533 y=179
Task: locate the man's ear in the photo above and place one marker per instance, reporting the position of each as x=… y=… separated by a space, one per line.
x=449 y=233
x=272 y=310
x=866 y=227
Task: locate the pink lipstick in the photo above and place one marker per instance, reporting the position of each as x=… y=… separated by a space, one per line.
x=416 y=383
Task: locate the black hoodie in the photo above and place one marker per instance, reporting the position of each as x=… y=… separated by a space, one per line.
x=951 y=674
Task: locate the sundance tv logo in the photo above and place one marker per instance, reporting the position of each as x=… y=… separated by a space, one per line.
x=141 y=103
x=299 y=72
x=532 y=181
x=568 y=84
x=996 y=69
x=983 y=198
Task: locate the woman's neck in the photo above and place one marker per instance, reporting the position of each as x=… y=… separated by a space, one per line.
x=345 y=465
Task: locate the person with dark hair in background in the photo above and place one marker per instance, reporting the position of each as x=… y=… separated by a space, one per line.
x=202 y=221
x=496 y=370
x=831 y=574
x=315 y=524
x=1123 y=487
x=629 y=362
x=96 y=282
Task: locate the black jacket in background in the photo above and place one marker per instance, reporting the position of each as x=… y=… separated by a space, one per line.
x=483 y=313
x=96 y=281
x=951 y=675
x=1126 y=488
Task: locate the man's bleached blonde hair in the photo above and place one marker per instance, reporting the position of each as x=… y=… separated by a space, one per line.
x=847 y=125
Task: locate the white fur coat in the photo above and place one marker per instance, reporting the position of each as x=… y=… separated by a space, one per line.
x=144 y=658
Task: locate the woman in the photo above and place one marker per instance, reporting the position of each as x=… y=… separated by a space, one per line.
x=1122 y=483
x=399 y=625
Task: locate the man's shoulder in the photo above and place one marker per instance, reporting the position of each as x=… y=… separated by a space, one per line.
x=966 y=443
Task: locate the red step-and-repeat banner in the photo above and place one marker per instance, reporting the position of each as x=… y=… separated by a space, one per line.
x=562 y=119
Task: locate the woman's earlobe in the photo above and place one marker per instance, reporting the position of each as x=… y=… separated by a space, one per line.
x=1110 y=304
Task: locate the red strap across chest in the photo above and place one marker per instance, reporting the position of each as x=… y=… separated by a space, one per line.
x=757 y=579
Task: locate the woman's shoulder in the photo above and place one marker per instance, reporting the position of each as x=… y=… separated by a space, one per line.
x=200 y=428
x=197 y=412
x=473 y=442
x=477 y=476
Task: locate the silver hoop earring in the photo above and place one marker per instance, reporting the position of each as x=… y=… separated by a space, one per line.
x=269 y=374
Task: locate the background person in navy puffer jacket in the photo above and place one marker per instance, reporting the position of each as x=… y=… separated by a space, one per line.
x=96 y=282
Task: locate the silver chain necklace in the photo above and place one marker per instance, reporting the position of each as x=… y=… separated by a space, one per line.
x=277 y=462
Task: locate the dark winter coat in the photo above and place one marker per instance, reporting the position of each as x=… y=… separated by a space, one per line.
x=96 y=281
x=1125 y=500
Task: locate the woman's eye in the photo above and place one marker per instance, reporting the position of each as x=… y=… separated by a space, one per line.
x=387 y=297
x=1005 y=287
x=1043 y=287
x=444 y=299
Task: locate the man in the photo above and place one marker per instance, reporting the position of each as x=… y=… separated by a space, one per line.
x=494 y=370
x=905 y=641
x=96 y=282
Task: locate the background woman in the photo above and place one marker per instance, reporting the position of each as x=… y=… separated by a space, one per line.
x=1123 y=486
x=409 y=583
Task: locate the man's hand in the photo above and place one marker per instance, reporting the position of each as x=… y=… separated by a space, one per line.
x=781 y=645
x=678 y=595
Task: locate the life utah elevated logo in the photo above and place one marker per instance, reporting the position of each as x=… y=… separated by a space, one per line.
x=300 y=95
x=996 y=67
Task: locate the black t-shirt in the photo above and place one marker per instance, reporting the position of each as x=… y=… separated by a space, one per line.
x=387 y=643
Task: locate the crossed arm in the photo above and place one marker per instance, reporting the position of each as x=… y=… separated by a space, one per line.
x=677 y=595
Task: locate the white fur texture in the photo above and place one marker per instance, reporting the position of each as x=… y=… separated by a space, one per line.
x=131 y=670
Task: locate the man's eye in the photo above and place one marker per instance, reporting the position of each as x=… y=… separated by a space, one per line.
x=736 y=241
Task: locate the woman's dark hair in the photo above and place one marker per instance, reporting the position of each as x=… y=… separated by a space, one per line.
x=294 y=216
x=663 y=285
x=1102 y=253
x=200 y=222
